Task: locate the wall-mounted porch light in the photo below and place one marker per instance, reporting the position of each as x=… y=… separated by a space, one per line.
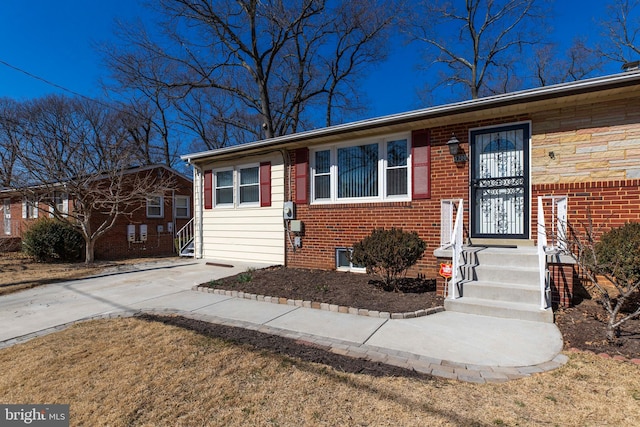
x=455 y=150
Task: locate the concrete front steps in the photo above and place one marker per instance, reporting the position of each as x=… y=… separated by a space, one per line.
x=500 y=282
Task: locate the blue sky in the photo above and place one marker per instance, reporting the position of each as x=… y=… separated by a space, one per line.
x=54 y=40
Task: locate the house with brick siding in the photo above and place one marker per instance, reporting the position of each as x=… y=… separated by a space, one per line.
x=147 y=230
x=488 y=184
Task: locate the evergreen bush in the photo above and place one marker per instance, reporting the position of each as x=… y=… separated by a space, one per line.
x=618 y=252
x=52 y=240
x=389 y=254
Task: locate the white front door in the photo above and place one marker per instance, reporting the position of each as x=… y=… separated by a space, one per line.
x=6 y=215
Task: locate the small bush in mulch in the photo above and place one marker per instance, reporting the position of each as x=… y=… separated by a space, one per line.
x=389 y=254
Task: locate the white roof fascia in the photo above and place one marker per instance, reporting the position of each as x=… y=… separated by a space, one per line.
x=546 y=92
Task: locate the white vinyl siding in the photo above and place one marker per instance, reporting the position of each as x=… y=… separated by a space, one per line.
x=246 y=232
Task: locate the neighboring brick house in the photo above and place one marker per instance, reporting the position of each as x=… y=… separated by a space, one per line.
x=580 y=140
x=147 y=231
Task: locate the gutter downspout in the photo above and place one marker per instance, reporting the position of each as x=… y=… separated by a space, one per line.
x=199 y=207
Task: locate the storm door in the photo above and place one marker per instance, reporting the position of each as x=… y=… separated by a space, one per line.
x=500 y=182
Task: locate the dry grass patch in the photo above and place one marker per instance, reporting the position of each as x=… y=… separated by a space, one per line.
x=134 y=372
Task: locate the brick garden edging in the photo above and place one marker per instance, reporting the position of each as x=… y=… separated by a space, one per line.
x=617 y=357
x=320 y=305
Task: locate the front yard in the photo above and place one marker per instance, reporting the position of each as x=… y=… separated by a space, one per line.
x=170 y=371
x=139 y=372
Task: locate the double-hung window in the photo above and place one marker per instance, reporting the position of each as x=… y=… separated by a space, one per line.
x=29 y=207
x=375 y=170
x=322 y=175
x=224 y=187
x=60 y=203
x=182 y=206
x=243 y=186
x=396 y=168
x=155 y=206
x=249 y=185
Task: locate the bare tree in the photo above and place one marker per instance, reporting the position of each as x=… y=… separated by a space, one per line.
x=611 y=263
x=83 y=149
x=621 y=31
x=579 y=62
x=241 y=70
x=10 y=140
x=134 y=78
x=481 y=42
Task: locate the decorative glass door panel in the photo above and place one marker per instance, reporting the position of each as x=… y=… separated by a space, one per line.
x=500 y=182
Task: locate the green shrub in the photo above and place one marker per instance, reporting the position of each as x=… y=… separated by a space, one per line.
x=388 y=254
x=52 y=240
x=618 y=253
x=613 y=261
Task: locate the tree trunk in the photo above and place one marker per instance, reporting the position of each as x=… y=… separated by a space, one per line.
x=613 y=332
x=88 y=252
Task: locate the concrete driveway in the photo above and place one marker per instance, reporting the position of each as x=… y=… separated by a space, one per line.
x=114 y=290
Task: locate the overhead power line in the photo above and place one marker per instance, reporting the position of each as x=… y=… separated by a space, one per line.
x=42 y=79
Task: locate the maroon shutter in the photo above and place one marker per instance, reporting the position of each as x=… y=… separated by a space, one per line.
x=265 y=184
x=302 y=175
x=421 y=158
x=208 y=189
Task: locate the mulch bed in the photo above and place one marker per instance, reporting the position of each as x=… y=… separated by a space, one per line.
x=582 y=326
x=334 y=287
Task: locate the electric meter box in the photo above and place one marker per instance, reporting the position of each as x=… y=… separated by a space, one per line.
x=296 y=226
x=289 y=210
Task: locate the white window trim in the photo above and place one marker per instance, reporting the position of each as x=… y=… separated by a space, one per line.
x=188 y=206
x=26 y=201
x=238 y=186
x=382 y=171
x=351 y=267
x=65 y=203
x=161 y=197
x=385 y=168
x=217 y=204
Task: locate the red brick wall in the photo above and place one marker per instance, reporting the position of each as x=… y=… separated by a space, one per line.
x=114 y=244
x=328 y=227
x=609 y=204
x=563 y=279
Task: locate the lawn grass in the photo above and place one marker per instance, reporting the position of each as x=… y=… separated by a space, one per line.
x=135 y=372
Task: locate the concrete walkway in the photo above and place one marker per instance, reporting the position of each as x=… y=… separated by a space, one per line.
x=452 y=345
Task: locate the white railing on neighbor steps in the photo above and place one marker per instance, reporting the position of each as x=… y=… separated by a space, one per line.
x=185 y=237
x=556 y=233
x=451 y=236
